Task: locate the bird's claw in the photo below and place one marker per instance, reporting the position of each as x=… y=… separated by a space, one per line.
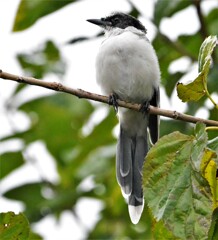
x=113 y=101
x=145 y=107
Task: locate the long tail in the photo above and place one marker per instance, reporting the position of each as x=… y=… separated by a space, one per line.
x=131 y=152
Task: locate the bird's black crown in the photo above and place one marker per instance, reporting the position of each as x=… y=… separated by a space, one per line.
x=123 y=21
x=119 y=20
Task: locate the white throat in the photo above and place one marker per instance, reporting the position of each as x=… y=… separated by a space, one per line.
x=109 y=32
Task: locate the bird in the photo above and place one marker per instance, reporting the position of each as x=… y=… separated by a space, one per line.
x=127 y=68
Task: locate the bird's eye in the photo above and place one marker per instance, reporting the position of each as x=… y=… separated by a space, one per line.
x=116 y=20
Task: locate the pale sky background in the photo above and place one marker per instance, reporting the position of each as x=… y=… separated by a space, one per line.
x=80 y=59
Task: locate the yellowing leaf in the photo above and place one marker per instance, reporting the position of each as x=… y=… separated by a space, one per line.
x=209 y=169
x=208 y=155
x=198 y=88
x=192 y=91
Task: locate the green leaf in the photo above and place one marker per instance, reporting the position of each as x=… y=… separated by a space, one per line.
x=57 y=120
x=13 y=226
x=213 y=232
x=171 y=82
x=31 y=11
x=190 y=44
x=167 y=9
x=199 y=145
x=161 y=232
x=213 y=144
x=31 y=195
x=212 y=76
x=168 y=126
x=46 y=59
x=90 y=157
x=34 y=236
x=10 y=161
x=174 y=190
x=193 y=107
x=211 y=21
x=206 y=50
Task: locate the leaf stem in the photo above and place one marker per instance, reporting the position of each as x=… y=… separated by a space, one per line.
x=211 y=128
x=208 y=94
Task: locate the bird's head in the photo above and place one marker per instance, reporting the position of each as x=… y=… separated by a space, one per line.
x=118 y=20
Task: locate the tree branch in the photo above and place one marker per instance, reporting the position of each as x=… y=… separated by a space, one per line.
x=95 y=97
x=203 y=29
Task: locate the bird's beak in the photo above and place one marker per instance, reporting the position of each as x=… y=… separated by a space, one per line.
x=99 y=22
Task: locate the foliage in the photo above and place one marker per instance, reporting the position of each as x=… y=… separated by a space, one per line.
x=198 y=88
x=179 y=176
x=15 y=226
x=31 y=11
x=42 y=61
x=10 y=229
x=175 y=183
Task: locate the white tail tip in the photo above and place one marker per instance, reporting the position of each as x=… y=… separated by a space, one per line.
x=126 y=196
x=135 y=213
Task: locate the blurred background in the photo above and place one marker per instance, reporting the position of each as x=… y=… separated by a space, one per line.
x=57 y=152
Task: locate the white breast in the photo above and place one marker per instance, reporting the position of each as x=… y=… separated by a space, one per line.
x=127 y=65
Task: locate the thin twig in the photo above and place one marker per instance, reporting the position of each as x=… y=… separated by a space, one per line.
x=96 y=97
x=203 y=29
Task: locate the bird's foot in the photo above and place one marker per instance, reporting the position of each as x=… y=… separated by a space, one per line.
x=145 y=107
x=113 y=101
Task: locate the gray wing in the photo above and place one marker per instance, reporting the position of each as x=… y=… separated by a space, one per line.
x=154 y=120
x=124 y=162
